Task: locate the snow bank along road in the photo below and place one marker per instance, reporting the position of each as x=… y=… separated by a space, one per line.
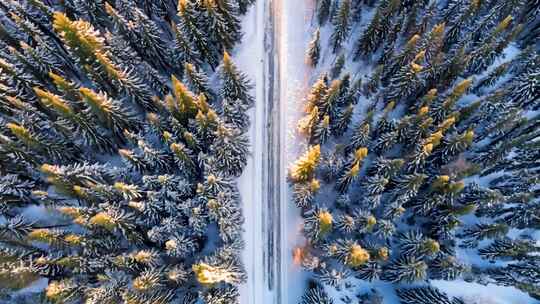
x=294 y=32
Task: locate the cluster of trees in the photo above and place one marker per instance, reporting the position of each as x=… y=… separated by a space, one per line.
x=433 y=152
x=118 y=155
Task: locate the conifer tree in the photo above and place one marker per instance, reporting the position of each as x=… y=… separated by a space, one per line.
x=338 y=66
x=509 y=249
x=350 y=174
x=361 y=135
x=344 y=119
x=235 y=113
x=221 y=295
x=425 y=295
x=305 y=192
x=230 y=149
x=323 y=11
x=316 y=294
x=377 y=29
x=306 y=165
x=342 y=27
x=317 y=93
x=230 y=12
x=107 y=112
x=74 y=122
x=198 y=81
x=234 y=84
x=413 y=243
x=183 y=52
x=318 y=223
x=187 y=13
x=321 y=131
x=405 y=269
x=222 y=31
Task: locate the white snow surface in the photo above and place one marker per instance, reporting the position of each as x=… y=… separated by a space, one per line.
x=473 y=293
x=249 y=59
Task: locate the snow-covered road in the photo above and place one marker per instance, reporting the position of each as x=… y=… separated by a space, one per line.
x=250 y=58
x=272 y=54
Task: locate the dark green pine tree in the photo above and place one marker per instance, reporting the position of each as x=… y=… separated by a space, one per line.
x=377 y=29
x=404 y=83
x=321 y=131
x=315 y=294
x=230 y=149
x=217 y=27
x=338 y=66
x=368 y=41
x=304 y=193
x=183 y=50
x=525 y=91
x=342 y=25
x=125 y=7
x=425 y=295
x=323 y=11
x=234 y=84
x=414 y=243
x=333 y=277
x=229 y=10
x=506 y=248
x=344 y=119
x=492 y=77
x=522 y=275
x=387 y=168
x=361 y=134
x=198 y=82
x=189 y=26
x=234 y=113
x=405 y=269
x=473 y=235
x=221 y=295
x=150 y=39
